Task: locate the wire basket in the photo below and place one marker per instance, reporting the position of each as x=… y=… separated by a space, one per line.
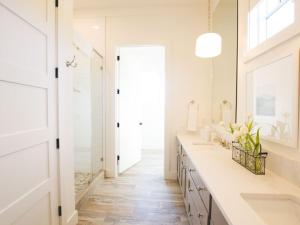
x=254 y=163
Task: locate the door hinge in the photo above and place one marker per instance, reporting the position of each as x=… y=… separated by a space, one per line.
x=118 y=124
x=59 y=209
x=118 y=157
x=118 y=58
x=56 y=3
x=56 y=72
x=57 y=143
x=118 y=91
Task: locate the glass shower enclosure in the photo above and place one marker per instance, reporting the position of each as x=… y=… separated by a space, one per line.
x=88 y=103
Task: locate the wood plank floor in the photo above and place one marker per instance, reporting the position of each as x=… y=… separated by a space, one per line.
x=140 y=196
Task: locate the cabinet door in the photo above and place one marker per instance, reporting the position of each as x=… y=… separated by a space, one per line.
x=192 y=211
x=200 y=186
x=181 y=172
x=183 y=164
x=200 y=212
x=178 y=161
x=217 y=217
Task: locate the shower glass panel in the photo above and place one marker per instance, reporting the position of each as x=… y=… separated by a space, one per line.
x=82 y=122
x=88 y=89
x=97 y=87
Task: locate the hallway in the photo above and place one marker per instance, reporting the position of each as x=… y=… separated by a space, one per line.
x=140 y=196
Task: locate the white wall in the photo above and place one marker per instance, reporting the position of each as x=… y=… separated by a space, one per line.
x=93 y=30
x=282 y=160
x=187 y=77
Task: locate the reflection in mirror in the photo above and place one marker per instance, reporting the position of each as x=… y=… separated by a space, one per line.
x=224 y=93
x=272 y=100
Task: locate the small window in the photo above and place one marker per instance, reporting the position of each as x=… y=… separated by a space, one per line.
x=267 y=18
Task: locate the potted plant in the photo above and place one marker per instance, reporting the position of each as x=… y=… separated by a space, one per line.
x=246 y=147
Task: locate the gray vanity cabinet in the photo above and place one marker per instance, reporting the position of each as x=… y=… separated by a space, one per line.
x=201 y=208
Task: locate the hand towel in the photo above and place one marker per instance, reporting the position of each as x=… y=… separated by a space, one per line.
x=192 y=121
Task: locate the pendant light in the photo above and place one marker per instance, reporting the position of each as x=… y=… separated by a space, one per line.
x=209 y=45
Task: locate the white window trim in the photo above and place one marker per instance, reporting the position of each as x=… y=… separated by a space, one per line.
x=282 y=36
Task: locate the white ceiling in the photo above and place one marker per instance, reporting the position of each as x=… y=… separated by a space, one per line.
x=79 y=4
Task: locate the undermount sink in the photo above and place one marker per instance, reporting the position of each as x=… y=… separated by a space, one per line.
x=275 y=209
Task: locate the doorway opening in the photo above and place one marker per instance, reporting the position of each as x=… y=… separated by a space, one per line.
x=140 y=108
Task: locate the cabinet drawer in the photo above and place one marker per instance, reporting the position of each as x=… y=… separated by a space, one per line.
x=217 y=217
x=182 y=173
x=178 y=166
x=184 y=158
x=200 y=212
x=200 y=187
x=193 y=217
x=182 y=181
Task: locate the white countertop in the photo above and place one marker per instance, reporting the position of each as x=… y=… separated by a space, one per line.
x=226 y=180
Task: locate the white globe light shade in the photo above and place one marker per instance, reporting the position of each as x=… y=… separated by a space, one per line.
x=209 y=45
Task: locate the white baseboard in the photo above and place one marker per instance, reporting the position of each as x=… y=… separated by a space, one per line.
x=73 y=220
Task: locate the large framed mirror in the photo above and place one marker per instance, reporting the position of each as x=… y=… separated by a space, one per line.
x=224 y=76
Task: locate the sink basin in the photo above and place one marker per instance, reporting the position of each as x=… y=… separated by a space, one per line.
x=275 y=209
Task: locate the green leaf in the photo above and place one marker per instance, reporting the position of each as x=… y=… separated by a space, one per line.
x=251 y=139
x=258 y=137
x=250 y=125
x=231 y=128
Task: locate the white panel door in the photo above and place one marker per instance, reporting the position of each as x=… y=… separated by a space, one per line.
x=130 y=132
x=28 y=155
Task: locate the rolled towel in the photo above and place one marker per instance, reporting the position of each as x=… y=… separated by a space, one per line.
x=192 y=121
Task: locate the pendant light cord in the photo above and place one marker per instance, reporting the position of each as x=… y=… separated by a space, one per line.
x=209 y=16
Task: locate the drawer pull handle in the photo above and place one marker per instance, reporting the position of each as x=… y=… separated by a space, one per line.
x=200 y=188
x=190 y=214
x=192 y=170
x=200 y=215
x=190 y=190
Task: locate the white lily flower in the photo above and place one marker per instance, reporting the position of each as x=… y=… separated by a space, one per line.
x=244 y=130
x=236 y=134
x=222 y=123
